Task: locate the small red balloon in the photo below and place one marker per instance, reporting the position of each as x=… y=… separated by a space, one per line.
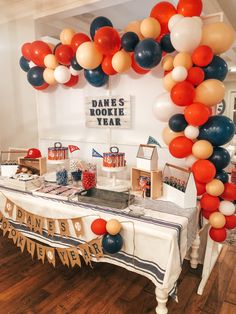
x=210 y=203
x=137 y=68
x=182 y=94
x=107 y=65
x=201 y=188
x=230 y=222
x=42 y=87
x=218 y=235
x=204 y=171
x=107 y=40
x=181 y=147
x=26 y=51
x=189 y=7
x=72 y=81
x=229 y=192
x=162 y=12
x=98 y=226
x=64 y=54
x=196 y=76
x=77 y=40
x=202 y=56
x=196 y=114
x=206 y=214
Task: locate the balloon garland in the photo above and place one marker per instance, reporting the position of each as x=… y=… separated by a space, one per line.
x=193 y=82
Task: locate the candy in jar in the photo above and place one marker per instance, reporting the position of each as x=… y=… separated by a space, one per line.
x=62 y=177
x=88 y=180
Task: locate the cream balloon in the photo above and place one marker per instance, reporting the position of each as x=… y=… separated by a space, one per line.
x=190 y=160
x=217 y=220
x=167 y=63
x=168 y=135
x=202 y=149
x=62 y=74
x=186 y=35
x=66 y=36
x=218 y=36
x=164 y=108
x=150 y=28
x=121 y=61
x=210 y=92
x=183 y=59
x=168 y=82
x=88 y=56
x=73 y=71
x=113 y=226
x=134 y=26
x=50 y=61
x=48 y=76
x=191 y=132
x=174 y=20
x=227 y=208
x=215 y=187
x=179 y=74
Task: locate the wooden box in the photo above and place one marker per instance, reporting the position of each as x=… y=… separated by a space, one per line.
x=147 y=157
x=8 y=161
x=155 y=177
x=37 y=165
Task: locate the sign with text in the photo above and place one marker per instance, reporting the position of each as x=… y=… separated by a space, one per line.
x=103 y=112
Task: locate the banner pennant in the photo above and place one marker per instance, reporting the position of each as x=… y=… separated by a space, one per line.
x=96 y=154
x=152 y=140
x=73 y=148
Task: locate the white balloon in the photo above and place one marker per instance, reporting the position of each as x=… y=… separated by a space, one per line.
x=186 y=35
x=62 y=74
x=164 y=108
x=73 y=71
x=174 y=20
x=179 y=74
x=198 y=19
x=191 y=132
x=227 y=208
x=190 y=160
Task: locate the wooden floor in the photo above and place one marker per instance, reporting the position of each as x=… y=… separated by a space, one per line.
x=29 y=287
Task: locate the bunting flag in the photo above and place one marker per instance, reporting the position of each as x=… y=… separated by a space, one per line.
x=13 y=234
x=84 y=248
x=51 y=226
x=30 y=245
x=63 y=256
x=41 y=251
x=96 y=247
x=74 y=257
x=20 y=215
x=5 y=226
x=21 y=240
x=152 y=140
x=96 y=154
x=50 y=253
x=30 y=221
x=64 y=227
x=38 y=224
x=73 y=148
x=9 y=206
x=78 y=226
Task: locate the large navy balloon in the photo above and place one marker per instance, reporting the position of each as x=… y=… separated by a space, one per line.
x=24 y=64
x=166 y=44
x=220 y=158
x=222 y=176
x=218 y=130
x=96 y=77
x=75 y=65
x=35 y=76
x=129 y=41
x=148 y=53
x=112 y=243
x=217 y=69
x=177 y=122
x=97 y=23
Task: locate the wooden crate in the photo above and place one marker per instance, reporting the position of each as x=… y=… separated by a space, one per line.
x=39 y=165
x=155 y=177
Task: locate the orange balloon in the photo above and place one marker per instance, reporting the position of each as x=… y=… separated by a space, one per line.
x=50 y=61
x=217 y=220
x=168 y=82
x=183 y=59
x=121 y=61
x=88 y=56
x=150 y=28
x=113 y=226
x=202 y=149
x=167 y=63
x=48 y=76
x=168 y=135
x=210 y=92
x=66 y=36
x=134 y=26
x=215 y=187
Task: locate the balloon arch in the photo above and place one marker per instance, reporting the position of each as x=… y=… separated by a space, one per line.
x=194 y=73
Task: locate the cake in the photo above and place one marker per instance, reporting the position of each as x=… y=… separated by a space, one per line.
x=57 y=152
x=114 y=159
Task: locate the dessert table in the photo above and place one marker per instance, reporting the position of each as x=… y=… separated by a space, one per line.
x=155 y=243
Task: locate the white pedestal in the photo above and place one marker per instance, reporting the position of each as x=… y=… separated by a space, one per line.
x=111 y=182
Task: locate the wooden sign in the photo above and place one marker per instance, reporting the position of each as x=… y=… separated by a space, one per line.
x=104 y=112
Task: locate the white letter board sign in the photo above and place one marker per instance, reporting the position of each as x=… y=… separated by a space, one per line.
x=104 y=112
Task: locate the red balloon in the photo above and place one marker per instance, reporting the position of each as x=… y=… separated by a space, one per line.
x=77 y=40
x=182 y=94
x=202 y=56
x=98 y=226
x=210 y=203
x=25 y=50
x=42 y=87
x=204 y=171
x=230 y=222
x=137 y=68
x=181 y=147
x=229 y=192
x=72 y=81
x=107 y=65
x=218 y=235
x=196 y=114
x=190 y=7
x=107 y=40
x=38 y=51
x=64 y=54
x=201 y=188
x=162 y=12
x=196 y=76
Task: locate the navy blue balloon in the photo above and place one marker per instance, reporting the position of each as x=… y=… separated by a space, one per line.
x=177 y=122
x=222 y=176
x=112 y=243
x=217 y=69
x=129 y=41
x=148 y=53
x=24 y=64
x=96 y=77
x=97 y=23
x=166 y=44
x=35 y=76
x=218 y=130
x=75 y=65
x=220 y=158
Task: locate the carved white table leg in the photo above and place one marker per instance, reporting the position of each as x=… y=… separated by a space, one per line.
x=162 y=298
x=195 y=252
